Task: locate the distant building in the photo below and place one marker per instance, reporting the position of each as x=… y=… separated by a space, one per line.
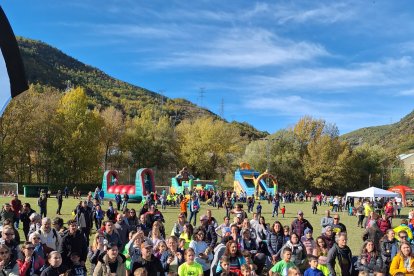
x=408 y=161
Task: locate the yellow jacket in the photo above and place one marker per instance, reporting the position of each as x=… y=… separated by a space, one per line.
x=397 y=265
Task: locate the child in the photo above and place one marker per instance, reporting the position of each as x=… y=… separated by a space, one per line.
x=181 y=245
x=77 y=269
x=313 y=264
x=161 y=247
x=225 y=266
x=140 y=272
x=259 y=209
x=190 y=267
x=283 y=211
x=286 y=233
x=246 y=270
x=283 y=266
x=55 y=263
x=309 y=242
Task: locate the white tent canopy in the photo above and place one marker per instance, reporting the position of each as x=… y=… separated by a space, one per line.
x=372 y=192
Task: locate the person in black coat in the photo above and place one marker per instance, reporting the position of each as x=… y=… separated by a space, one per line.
x=25 y=214
x=73 y=241
x=84 y=219
x=148 y=261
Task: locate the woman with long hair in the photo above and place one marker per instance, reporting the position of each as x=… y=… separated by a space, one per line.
x=403 y=262
x=236 y=259
x=275 y=241
x=202 y=251
x=133 y=220
x=7 y=265
x=322 y=254
x=172 y=258
x=370 y=258
x=31 y=263
x=187 y=234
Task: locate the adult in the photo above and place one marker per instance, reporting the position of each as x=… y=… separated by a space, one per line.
x=118 y=200
x=327 y=219
x=389 y=248
x=132 y=250
x=111 y=262
x=403 y=262
x=30 y=263
x=172 y=258
x=73 y=241
x=275 y=204
x=16 y=207
x=39 y=248
x=187 y=234
x=328 y=236
x=6 y=213
x=373 y=233
x=178 y=227
x=8 y=265
x=133 y=220
x=194 y=208
x=236 y=259
x=110 y=235
x=148 y=261
x=122 y=228
x=370 y=258
x=403 y=226
x=57 y=224
x=339 y=261
x=25 y=214
x=59 y=199
x=322 y=254
x=337 y=226
x=84 y=219
x=42 y=203
x=210 y=233
x=48 y=235
x=203 y=256
x=298 y=250
x=96 y=249
x=262 y=231
x=7 y=239
x=275 y=240
x=299 y=225
x=384 y=223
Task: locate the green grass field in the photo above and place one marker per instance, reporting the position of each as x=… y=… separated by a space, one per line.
x=171 y=214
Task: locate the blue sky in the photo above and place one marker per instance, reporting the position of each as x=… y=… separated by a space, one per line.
x=271 y=62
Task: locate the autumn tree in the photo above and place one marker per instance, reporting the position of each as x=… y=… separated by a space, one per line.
x=209 y=147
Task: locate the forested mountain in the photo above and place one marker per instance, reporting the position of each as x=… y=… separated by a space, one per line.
x=397 y=137
x=47 y=66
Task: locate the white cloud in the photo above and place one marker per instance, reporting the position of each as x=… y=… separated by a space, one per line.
x=389 y=73
x=326 y=14
x=245 y=48
x=290 y=105
x=409 y=92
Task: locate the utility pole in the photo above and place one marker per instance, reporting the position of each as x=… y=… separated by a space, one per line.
x=222 y=108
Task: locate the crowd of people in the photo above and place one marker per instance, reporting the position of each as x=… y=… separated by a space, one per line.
x=135 y=242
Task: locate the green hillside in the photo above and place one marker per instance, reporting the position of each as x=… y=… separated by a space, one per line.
x=50 y=67
x=398 y=137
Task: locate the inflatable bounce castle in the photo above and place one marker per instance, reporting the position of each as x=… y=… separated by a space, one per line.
x=144 y=184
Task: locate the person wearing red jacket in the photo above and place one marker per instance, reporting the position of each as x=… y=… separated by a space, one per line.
x=16 y=206
x=384 y=223
x=31 y=262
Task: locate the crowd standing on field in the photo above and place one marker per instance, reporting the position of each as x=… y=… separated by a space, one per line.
x=135 y=242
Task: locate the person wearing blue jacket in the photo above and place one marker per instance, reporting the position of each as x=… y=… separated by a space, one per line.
x=194 y=209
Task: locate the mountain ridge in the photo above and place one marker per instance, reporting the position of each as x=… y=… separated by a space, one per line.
x=48 y=66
